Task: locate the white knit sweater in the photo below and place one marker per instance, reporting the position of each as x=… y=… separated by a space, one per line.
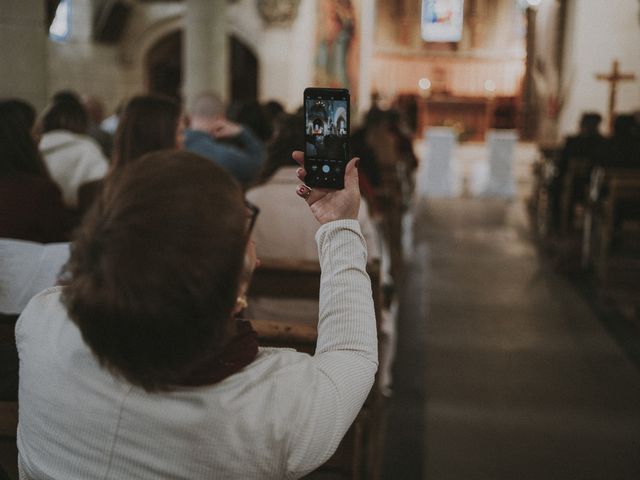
x=280 y=417
x=72 y=159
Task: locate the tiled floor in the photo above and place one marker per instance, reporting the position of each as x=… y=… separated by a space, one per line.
x=503 y=370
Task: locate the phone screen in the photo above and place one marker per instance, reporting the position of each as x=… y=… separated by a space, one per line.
x=326 y=112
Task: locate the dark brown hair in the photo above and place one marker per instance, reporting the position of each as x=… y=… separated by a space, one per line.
x=289 y=136
x=155 y=267
x=147 y=124
x=65 y=113
x=18 y=150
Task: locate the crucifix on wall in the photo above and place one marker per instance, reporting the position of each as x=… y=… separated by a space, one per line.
x=613 y=78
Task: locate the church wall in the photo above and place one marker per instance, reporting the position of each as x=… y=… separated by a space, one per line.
x=284 y=52
x=598 y=33
x=82 y=65
x=117 y=72
x=111 y=72
x=23 y=53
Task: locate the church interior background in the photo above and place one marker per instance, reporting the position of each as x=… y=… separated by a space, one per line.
x=516 y=357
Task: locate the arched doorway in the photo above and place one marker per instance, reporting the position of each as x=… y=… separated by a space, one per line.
x=163 y=66
x=244 y=71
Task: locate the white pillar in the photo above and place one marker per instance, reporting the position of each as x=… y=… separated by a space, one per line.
x=23 y=53
x=206 y=55
x=598 y=33
x=367 y=39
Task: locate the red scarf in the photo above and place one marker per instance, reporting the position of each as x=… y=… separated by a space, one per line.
x=239 y=352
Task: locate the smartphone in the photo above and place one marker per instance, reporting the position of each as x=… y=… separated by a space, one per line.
x=326 y=123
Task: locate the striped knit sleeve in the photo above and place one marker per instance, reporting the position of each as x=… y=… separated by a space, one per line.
x=346 y=356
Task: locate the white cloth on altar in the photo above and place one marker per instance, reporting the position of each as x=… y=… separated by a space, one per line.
x=438 y=175
x=495 y=177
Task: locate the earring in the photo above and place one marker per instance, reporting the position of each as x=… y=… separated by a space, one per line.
x=241 y=302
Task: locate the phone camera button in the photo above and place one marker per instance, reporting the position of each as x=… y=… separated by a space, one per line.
x=326 y=168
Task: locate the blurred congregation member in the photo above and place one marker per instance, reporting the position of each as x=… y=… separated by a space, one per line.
x=148 y=123
x=252 y=115
x=71 y=156
x=360 y=146
x=208 y=133
x=138 y=368
x=403 y=146
x=273 y=109
x=21 y=111
x=375 y=144
x=110 y=124
x=95 y=112
x=31 y=205
x=383 y=139
x=588 y=144
x=622 y=149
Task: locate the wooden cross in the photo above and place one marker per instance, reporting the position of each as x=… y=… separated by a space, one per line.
x=613 y=78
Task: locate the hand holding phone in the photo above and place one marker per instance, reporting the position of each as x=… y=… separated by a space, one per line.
x=326 y=204
x=326 y=114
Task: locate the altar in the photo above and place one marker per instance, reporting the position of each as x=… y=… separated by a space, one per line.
x=468 y=94
x=471 y=84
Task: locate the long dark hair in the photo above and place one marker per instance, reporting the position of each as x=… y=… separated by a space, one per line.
x=251 y=114
x=18 y=150
x=289 y=136
x=147 y=124
x=65 y=113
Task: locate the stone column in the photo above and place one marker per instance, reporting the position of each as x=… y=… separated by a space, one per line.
x=367 y=39
x=24 y=51
x=206 y=55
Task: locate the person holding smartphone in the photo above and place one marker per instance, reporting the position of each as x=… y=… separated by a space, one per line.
x=138 y=368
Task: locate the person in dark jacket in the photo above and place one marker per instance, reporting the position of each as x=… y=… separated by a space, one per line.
x=622 y=149
x=31 y=205
x=586 y=145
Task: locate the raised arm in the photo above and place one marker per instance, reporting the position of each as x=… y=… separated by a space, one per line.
x=346 y=356
x=244 y=162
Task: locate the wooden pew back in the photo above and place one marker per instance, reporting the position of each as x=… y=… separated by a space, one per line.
x=8 y=406
x=577 y=177
x=539 y=203
x=300 y=279
x=614 y=197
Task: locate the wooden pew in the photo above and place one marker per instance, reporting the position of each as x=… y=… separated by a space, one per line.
x=358 y=455
x=390 y=197
x=540 y=202
x=614 y=199
x=300 y=279
x=8 y=407
x=574 y=194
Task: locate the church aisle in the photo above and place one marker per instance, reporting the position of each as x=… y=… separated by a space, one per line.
x=522 y=381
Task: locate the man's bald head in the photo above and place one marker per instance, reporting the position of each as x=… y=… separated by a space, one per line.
x=207 y=105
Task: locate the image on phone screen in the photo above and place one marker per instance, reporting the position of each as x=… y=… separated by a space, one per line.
x=326 y=137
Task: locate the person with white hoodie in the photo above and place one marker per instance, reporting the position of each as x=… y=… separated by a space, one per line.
x=72 y=157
